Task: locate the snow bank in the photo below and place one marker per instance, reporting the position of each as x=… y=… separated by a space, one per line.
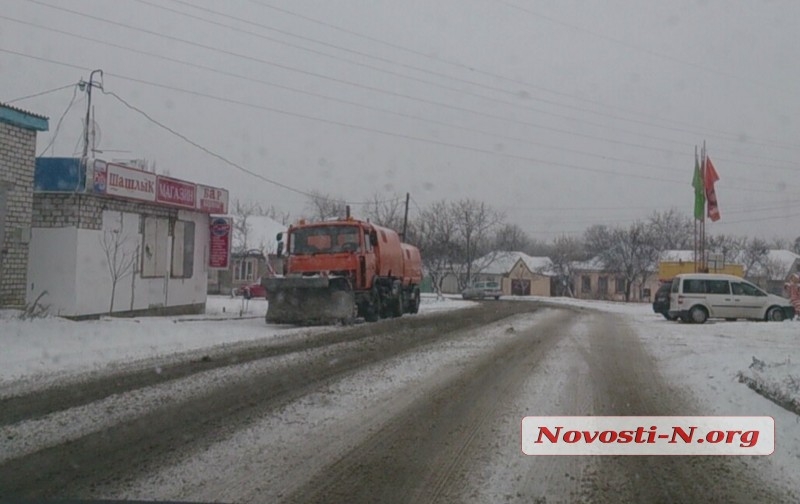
x=52 y=345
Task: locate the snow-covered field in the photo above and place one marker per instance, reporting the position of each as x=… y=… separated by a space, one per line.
x=53 y=346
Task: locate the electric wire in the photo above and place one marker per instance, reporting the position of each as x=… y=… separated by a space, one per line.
x=393 y=93
x=42 y=93
x=547 y=163
x=358 y=104
x=60 y=120
x=472 y=69
x=223 y=158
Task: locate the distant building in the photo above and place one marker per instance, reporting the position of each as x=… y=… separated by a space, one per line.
x=593 y=280
x=517 y=273
x=253 y=255
x=18 y=130
x=110 y=238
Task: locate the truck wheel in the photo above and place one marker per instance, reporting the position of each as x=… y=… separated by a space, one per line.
x=399 y=304
x=415 y=302
x=373 y=312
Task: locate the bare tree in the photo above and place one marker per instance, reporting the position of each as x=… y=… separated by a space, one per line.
x=564 y=252
x=779 y=243
x=241 y=229
x=436 y=239
x=386 y=212
x=629 y=252
x=671 y=230
x=322 y=206
x=120 y=260
x=512 y=237
x=730 y=246
x=475 y=224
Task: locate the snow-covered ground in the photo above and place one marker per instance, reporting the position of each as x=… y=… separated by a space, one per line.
x=54 y=346
x=709 y=360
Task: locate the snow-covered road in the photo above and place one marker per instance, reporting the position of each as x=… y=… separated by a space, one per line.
x=419 y=409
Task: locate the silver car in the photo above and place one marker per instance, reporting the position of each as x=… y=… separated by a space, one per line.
x=482 y=290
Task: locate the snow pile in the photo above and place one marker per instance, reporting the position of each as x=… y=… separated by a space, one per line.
x=777 y=381
x=41 y=349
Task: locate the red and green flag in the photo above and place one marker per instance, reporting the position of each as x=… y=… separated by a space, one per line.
x=699 y=191
x=711 y=194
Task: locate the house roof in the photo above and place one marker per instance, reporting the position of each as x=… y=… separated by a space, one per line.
x=22 y=118
x=593 y=264
x=677 y=256
x=502 y=262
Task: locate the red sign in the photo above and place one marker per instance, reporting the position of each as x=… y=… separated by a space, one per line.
x=220 y=230
x=175 y=192
x=212 y=199
x=130 y=183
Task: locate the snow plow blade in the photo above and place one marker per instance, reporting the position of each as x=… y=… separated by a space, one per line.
x=307 y=301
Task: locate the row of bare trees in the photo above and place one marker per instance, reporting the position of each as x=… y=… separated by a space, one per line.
x=461 y=237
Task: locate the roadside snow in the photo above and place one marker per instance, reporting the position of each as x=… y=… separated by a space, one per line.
x=297 y=435
x=50 y=347
x=708 y=360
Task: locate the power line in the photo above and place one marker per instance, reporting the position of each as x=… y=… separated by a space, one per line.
x=726 y=136
x=372 y=130
x=349 y=102
x=439 y=60
x=42 y=93
x=60 y=119
x=697 y=66
x=394 y=93
x=222 y=158
x=403 y=65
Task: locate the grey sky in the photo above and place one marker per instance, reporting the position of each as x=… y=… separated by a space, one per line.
x=574 y=112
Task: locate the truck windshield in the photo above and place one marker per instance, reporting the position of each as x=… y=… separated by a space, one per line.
x=324 y=240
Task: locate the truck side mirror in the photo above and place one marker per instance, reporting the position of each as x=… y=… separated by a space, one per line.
x=280 y=249
x=279 y=236
x=373 y=238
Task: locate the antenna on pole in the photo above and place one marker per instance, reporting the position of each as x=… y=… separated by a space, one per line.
x=89 y=85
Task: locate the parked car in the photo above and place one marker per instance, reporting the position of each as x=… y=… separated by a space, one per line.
x=696 y=297
x=255 y=290
x=661 y=301
x=481 y=290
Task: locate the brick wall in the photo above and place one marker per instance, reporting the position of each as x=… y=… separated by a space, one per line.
x=85 y=211
x=17 y=160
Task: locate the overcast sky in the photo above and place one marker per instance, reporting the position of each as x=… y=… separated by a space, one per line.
x=560 y=113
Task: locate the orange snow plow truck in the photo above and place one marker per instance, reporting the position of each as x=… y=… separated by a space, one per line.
x=340 y=270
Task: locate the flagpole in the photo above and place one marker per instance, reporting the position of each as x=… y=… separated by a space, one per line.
x=696 y=243
x=705 y=206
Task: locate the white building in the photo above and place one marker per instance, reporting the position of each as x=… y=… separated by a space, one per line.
x=115 y=239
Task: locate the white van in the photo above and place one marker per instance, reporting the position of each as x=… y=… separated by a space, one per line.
x=696 y=297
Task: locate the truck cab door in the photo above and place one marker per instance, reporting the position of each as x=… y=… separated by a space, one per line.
x=367 y=261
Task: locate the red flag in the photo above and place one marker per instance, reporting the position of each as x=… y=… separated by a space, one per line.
x=711 y=195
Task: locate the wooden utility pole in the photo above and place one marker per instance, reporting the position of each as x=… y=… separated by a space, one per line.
x=405 y=216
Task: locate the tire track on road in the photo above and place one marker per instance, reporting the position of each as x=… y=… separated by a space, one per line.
x=627 y=382
x=422 y=455
x=130 y=449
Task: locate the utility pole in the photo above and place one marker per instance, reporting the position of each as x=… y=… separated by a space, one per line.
x=89 y=110
x=405 y=217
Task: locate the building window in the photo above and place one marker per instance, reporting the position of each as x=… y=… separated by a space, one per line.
x=243 y=270
x=602 y=285
x=586 y=283
x=183 y=250
x=154 y=247
x=620 y=287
